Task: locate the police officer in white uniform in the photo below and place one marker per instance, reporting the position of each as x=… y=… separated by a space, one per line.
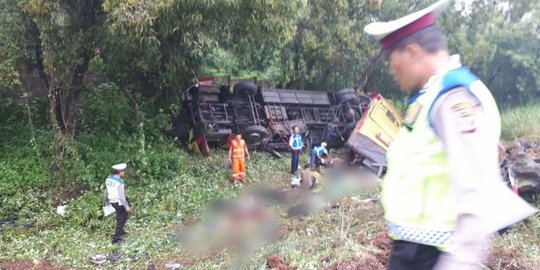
x=443 y=181
x=115 y=196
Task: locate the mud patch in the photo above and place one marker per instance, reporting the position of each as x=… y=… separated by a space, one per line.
x=28 y=264
x=508 y=260
x=276 y=263
x=367 y=261
x=384 y=244
x=184 y=260
x=63 y=195
x=376 y=260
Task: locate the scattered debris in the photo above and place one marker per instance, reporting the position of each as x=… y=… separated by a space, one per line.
x=99 y=260
x=141 y=255
x=113 y=257
x=61 y=210
x=172 y=266
x=10 y=221
x=520 y=165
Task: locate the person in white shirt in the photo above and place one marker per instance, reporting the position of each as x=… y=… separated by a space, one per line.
x=116 y=197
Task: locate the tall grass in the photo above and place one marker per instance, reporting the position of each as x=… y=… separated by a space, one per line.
x=521 y=122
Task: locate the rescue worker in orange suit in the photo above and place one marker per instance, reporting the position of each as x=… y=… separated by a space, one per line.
x=443 y=183
x=237 y=152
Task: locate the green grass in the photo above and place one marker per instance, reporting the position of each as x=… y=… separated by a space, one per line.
x=519 y=248
x=521 y=122
x=169 y=189
x=165 y=186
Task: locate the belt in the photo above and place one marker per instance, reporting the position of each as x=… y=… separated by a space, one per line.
x=421 y=236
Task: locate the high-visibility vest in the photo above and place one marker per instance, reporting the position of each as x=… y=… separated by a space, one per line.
x=296 y=141
x=417 y=193
x=238 y=148
x=112 y=184
x=320 y=150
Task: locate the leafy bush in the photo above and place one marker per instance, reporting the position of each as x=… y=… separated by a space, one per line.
x=106 y=111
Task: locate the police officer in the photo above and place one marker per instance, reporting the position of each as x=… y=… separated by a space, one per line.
x=296 y=145
x=443 y=181
x=115 y=196
x=316 y=154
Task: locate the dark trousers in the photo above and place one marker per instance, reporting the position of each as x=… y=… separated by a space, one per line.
x=121 y=218
x=412 y=256
x=314 y=159
x=294 y=160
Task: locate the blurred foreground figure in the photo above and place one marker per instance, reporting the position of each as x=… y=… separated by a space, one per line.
x=243 y=225
x=443 y=195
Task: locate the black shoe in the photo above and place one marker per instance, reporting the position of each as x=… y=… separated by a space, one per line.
x=117 y=241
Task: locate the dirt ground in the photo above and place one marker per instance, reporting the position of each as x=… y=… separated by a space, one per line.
x=508 y=260
x=29 y=264
x=63 y=195
x=376 y=260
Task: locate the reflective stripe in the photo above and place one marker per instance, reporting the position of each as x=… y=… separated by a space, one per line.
x=421 y=236
x=238 y=148
x=420 y=202
x=296 y=141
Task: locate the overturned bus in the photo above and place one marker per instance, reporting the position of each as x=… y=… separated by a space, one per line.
x=211 y=114
x=265 y=117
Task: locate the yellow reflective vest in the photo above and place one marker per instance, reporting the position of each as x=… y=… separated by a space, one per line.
x=417 y=191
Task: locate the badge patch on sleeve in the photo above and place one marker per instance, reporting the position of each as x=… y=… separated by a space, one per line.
x=467 y=115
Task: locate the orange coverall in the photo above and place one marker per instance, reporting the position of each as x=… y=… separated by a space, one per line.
x=237 y=152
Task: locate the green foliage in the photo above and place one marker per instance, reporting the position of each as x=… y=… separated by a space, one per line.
x=521 y=122
x=165 y=188
x=157 y=48
x=329 y=49
x=106 y=110
x=9 y=77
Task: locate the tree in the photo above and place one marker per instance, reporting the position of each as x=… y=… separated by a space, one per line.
x=329 y=49
x=57 y=37
x=158 y=47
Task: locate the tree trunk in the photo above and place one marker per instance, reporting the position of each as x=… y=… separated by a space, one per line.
x=63 y=102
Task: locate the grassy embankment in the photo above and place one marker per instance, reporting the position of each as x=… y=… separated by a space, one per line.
x=167 y=188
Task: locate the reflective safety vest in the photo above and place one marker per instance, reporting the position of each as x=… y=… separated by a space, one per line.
x=417 y=193
x=112 y=184
x=238 y=148
x=296 y=141
x=320 y=150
